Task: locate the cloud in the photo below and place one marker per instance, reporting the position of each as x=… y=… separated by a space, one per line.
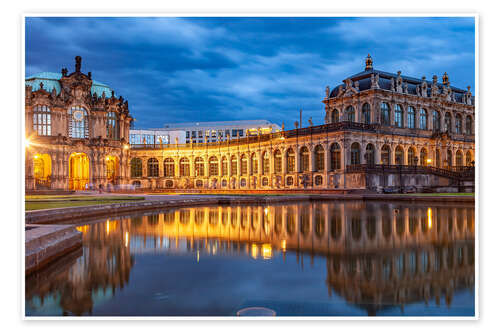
x=200 y=69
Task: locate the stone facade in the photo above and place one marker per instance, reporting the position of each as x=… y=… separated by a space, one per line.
x=77 y=138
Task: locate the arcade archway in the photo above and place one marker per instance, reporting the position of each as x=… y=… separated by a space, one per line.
x=78 y=171
x=42 y=170
x=111 y=169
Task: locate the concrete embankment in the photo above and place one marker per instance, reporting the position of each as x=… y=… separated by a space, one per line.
x=154 y=202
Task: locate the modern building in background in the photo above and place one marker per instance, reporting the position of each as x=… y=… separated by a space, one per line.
x=382 y=131
x=201 y=132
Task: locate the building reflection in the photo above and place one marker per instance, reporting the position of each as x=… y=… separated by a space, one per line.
x=378 y=254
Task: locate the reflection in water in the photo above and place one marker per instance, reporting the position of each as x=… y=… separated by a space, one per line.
x=378 y=255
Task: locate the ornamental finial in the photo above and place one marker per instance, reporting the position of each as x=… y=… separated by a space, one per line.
x=368 y=62
x=446 y=80
x=78 y=63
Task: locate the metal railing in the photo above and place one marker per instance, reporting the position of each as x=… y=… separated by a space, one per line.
x=456 y=172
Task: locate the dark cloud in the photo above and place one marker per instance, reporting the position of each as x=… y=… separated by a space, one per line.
x=207 y=69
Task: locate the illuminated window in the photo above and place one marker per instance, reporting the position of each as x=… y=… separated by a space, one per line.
x=112 y=128
x=152 y=167
x=244 y=164
x=447 y=122
x=265 y=163
x=234 y=165
x=410 y=122
x=41 y=120
x=335 y=156
x=399 y=155
x=458 y=124
x=412 y=158
x=304 y=159
x=423 y=156
x=224 y=166
x=277 y=161
x=184 y=167
x=169 y=167
x=423 y=119
x=384 y=108
x=213 y=166
x=355 y=154
x=459 y=159
x=290 y=160
x=398 y=116
x=385 y=155
x=136 y=167
x=319 y=158
x=78 y=124
x=436 y=120
x=199 y=167
x=255 y=164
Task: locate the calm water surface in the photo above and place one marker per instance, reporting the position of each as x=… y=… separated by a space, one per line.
x=310 y=259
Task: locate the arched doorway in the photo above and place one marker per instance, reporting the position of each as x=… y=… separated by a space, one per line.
x=111 y=169
x=42 y=170
x=78 y=171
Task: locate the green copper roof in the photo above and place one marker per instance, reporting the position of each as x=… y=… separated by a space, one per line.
x=51 y=80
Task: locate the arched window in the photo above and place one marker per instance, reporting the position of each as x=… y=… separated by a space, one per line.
x=78 y=124
x=436 y=121
x=370 y=154
x=385 y=155
x=398 y=116
x=255 y=164
x=265 y=163
x=447 y=122
x=423 y=119
x=399 y=155
x=355 y=154
x=244 y=164
x=199 y=167
x=184 y=167
x=335 y=156
x=385 y=113
x=366 y=113
x=458 y=124
x=234 y=165
x=169 y=167
x=152 y=167
x=304 y=159
x=135 y=167
x=277 y=161
x=213 y=166
x=410 y=122
x=449 y=159
x=468 y=125
x=319 y=158
x=468 y=159
x=290 y=160
x=335 y=116
x=412 y=160
x=42 y=124
x=224 y=166
x=423 y=156
x=459 y=158
x=350 y=114
x=112 y=126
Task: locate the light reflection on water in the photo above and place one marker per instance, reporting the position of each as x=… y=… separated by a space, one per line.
x=361 y=258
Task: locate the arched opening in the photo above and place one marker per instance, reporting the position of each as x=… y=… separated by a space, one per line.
x=399 y=155
x=78 y=171
x=468 y=125
x=277 y=161
x=224 y=166
x=42 y=170
x=458 y=124
x=169 y=167
x=423 y=119
x=213 y=166
x=255 y=164
x=244 y=164
x=366 y=113
x=423 y=157
x=385 y=112
x=111 y=169
x=78 y=123
x=184 y=167
x=335 y=116
x=290 y=160
x=234 y=165
x=398 y=116
x=304 y=159
x=385 y=155
x=355 y=154
x=265 y=163
x=350 y=114
x=319 y=158
x=335 y=156
x=447 y=122
x=412 y=157
x=459 y=159
x=468 y=158
x=410 y=122
x=449 y=158
x=370 y=154
x=199 y=167
x=152 y=167
x=135 y=167
x=436 y=121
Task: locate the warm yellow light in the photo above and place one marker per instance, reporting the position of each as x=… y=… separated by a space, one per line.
x=267 y=251
x=255 y=251
x=126 y=239
x=197 y=255
x=27 y=143
x=36 y=156
x=283 y=244
x=429 y=161
x=107 y=227
x=126 y=146
x=266 y=210
x=429 y=218
x=107 y=158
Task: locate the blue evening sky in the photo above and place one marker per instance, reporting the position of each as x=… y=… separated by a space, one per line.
x=212 y=69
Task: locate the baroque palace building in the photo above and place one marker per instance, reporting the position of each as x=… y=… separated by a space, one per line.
x=381 y=130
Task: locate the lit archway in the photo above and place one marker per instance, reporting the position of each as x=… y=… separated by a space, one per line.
x=78 y=171
x=42 y=170
x=111 y=169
